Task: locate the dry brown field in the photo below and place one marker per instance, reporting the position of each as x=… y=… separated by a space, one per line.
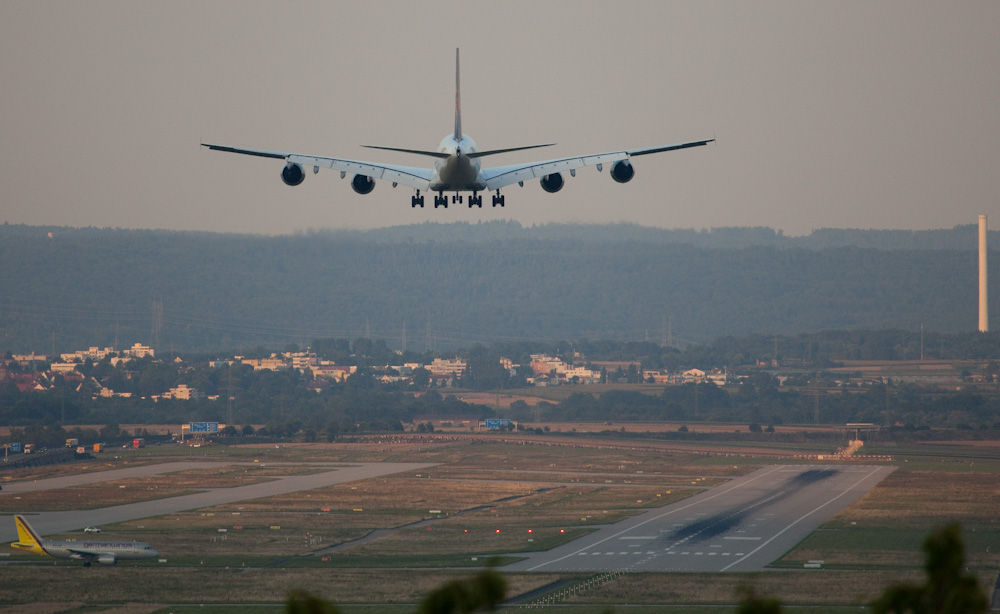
x=102 y=463
x=131 y=490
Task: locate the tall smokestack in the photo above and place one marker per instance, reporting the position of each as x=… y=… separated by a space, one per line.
x=984 y=318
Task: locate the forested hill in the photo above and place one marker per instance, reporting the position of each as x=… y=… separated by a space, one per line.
x=958 y=238
x=450 y=285
x=962 y=238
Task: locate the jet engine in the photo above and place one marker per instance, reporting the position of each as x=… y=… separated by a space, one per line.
x=552 y=183
x=107 y=559
x=362 y=184
x=293 y=174
x=622 y=171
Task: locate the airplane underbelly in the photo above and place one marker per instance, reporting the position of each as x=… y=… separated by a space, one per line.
x=457 y=177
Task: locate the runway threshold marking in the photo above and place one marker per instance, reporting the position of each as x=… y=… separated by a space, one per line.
x=801 y=518
x=667 y=513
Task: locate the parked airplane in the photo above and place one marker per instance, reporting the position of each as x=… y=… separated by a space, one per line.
x=458 y=167
x=103 y=552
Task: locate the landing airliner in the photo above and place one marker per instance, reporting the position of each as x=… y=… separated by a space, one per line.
x=103 y=552
x=458 y=167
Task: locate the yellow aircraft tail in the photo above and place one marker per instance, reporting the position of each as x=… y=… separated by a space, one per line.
x=27 y=539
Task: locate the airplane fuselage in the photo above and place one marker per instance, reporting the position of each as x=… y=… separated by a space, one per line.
x=458 y=171
x=122 y=551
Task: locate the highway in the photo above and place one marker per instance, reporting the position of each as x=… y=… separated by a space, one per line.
x=48 y=523
x=742 y=525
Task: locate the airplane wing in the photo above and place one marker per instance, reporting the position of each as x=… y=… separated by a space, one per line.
x=501 y=176
x=85 y=555
x=416 y=178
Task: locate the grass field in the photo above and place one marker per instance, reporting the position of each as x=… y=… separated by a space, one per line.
x=886 y=528
x=484 y=499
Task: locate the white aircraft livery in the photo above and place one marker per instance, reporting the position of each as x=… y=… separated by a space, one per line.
x=458 y=167
x=103 y=552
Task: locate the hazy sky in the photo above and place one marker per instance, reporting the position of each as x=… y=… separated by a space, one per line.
x=860 y=114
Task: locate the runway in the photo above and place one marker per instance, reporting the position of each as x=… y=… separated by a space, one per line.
x=48 y=523
x=742 y=525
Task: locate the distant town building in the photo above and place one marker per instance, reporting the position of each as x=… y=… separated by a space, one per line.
x=27 y=359
x=719 y=377
x=31 y=382
x=92 y=353
x=274 y=363
x=181 y=392
x=108 y=393
x=550 y=371
x=441 y=368
x=139 y=351
x=301 y=360
x=695 y=376
x=337 y=373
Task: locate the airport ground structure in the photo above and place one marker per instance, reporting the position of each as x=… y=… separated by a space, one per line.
x=588 y=521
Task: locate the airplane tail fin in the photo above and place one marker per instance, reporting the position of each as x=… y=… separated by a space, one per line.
x=457 y=135
x=27 y=539
x=458 y=102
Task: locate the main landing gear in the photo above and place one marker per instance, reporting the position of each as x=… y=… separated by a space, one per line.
x=440 y=200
